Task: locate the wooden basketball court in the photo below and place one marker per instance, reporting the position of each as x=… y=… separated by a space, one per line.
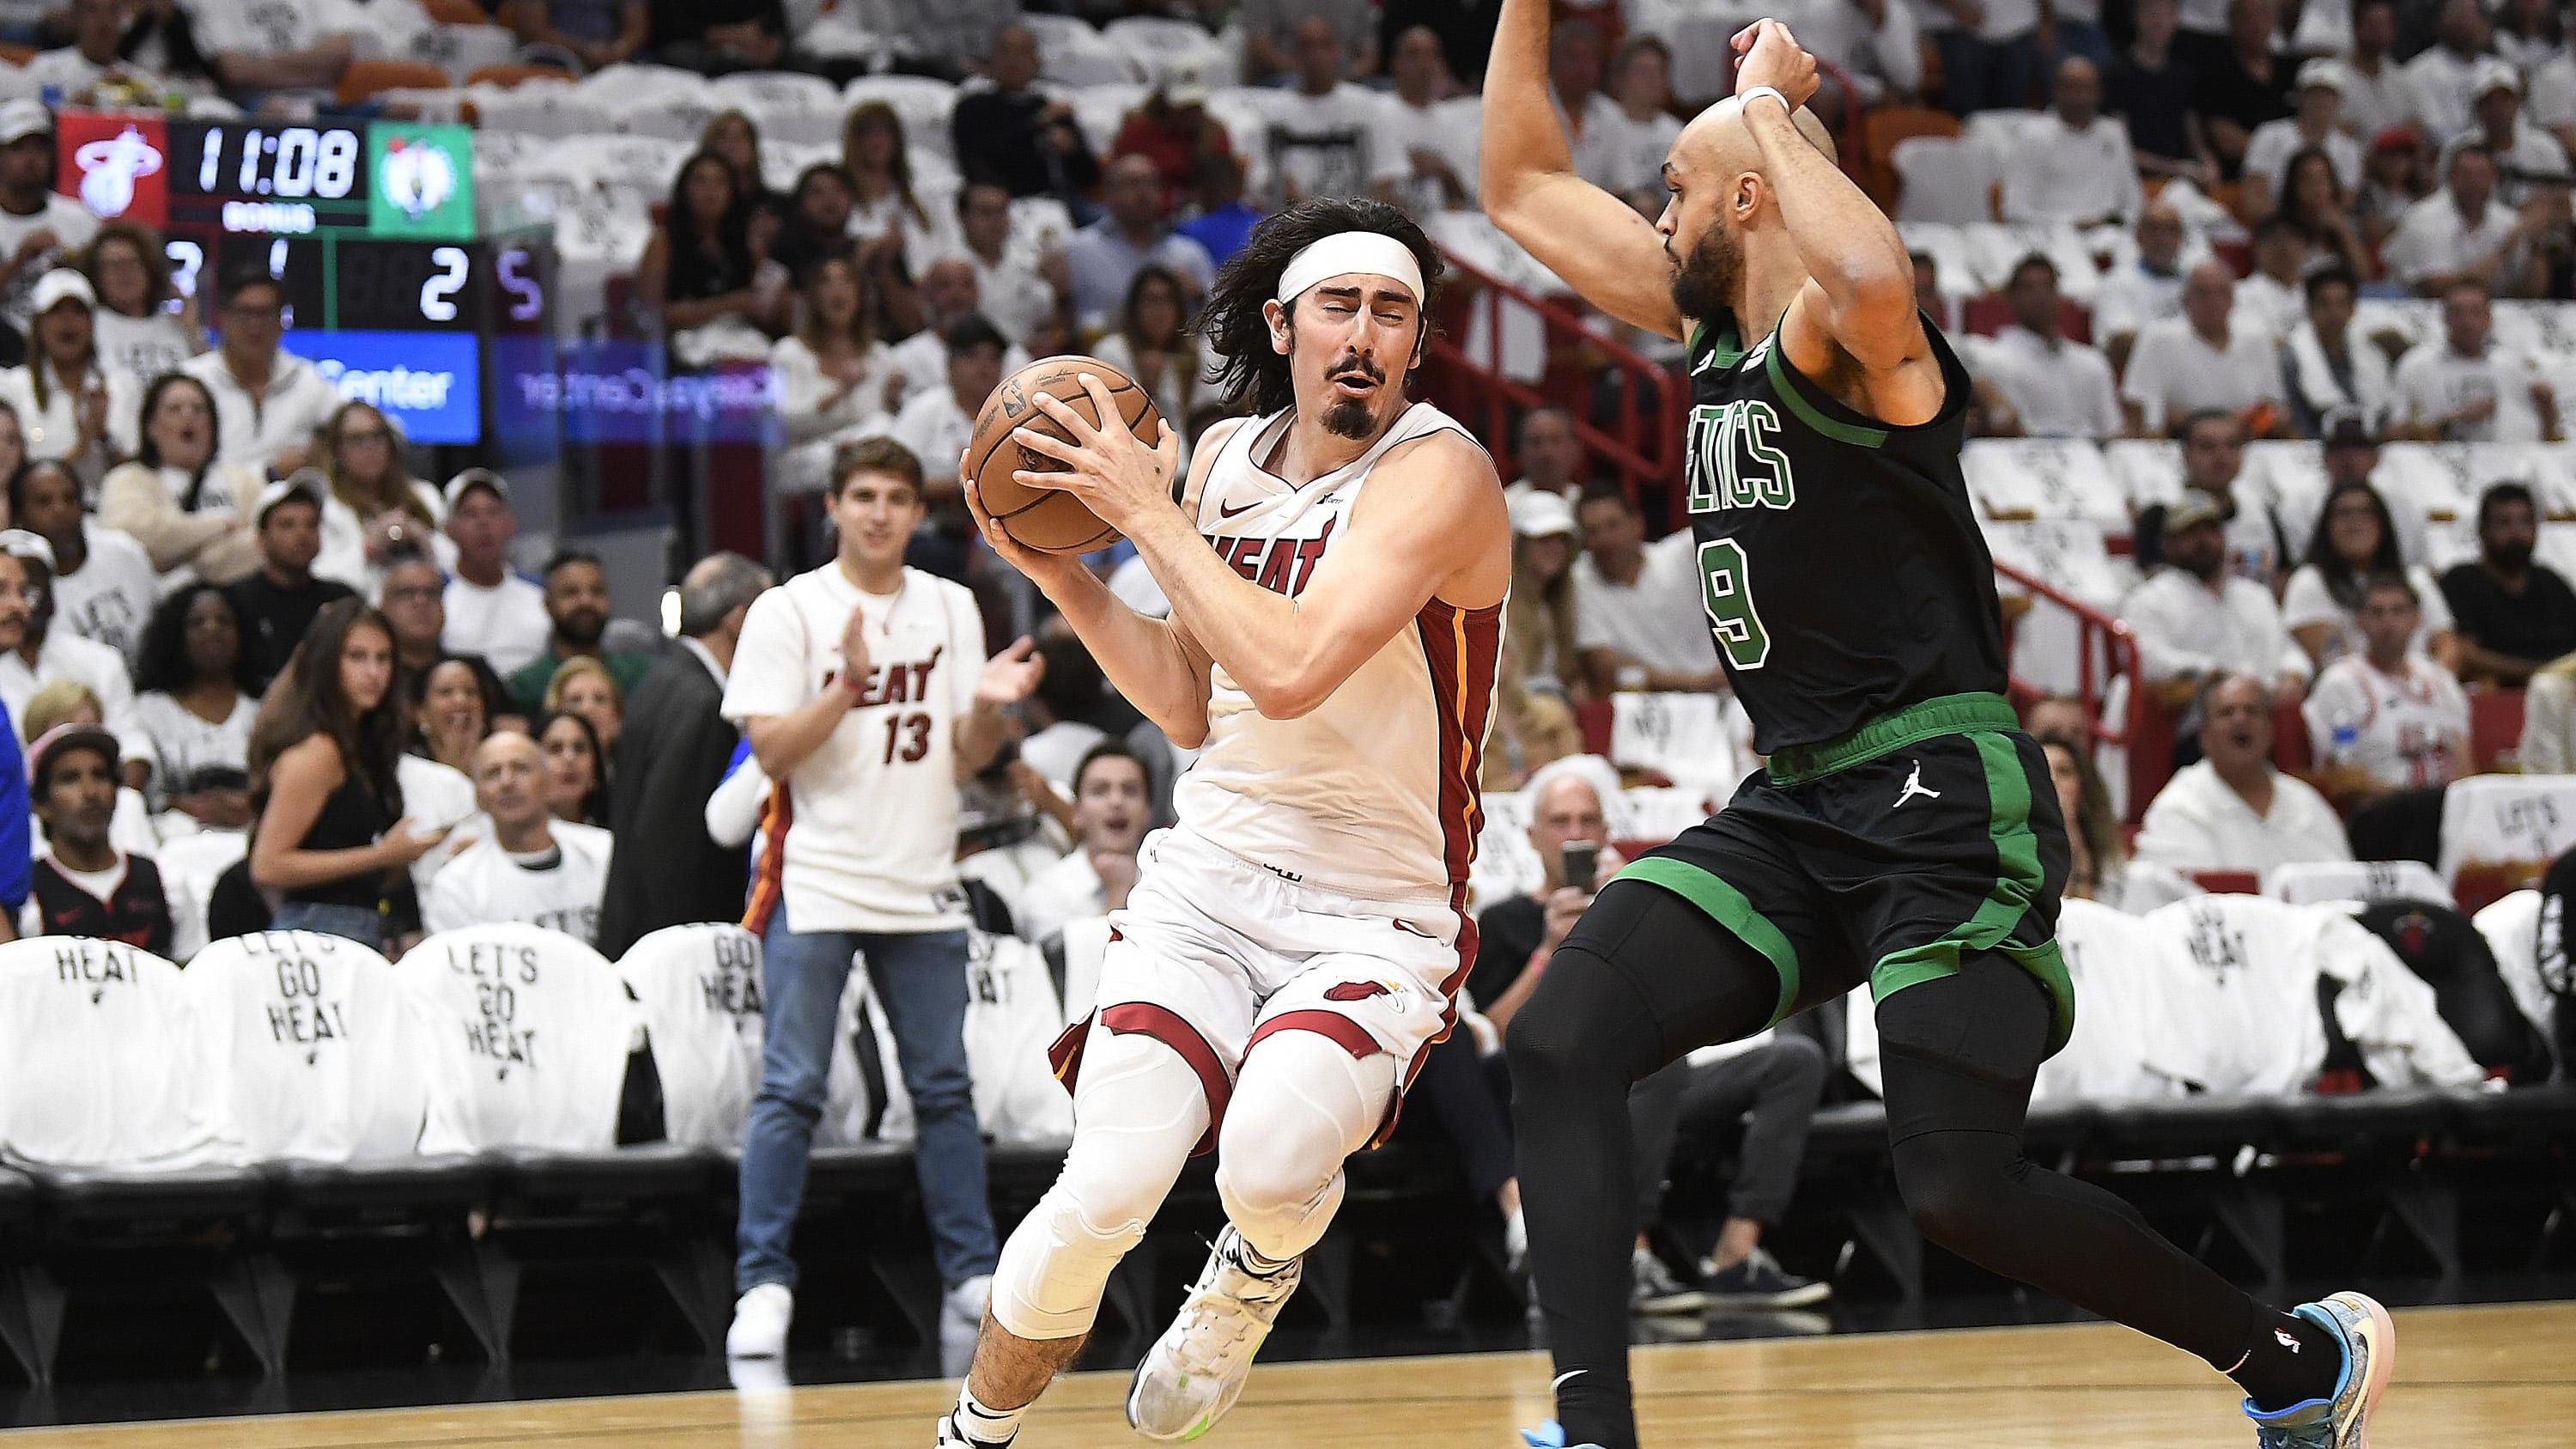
x=2465 y=1377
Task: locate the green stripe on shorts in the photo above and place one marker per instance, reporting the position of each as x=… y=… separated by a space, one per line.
x=1729 y=908
x=2018 y=882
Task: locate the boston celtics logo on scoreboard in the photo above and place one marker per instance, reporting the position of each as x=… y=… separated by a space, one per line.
x=424 y=181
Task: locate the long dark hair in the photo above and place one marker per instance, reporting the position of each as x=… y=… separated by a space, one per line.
x=148 y=452
x=2344 y=582
x=692 y=275
x=2287 y=204
x=164 y=663
x=306 y=701
x=1232 y=320
x=591 y=813
x=877 y=114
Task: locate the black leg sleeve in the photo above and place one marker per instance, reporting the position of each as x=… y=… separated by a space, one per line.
x=1471 y=1110
x=1645 y=977
x=1960 y=1054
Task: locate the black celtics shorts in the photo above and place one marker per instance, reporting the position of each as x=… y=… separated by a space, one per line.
x=1931 y=834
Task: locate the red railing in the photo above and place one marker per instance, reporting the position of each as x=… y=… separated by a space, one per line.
x=1643 y=446
x=2104 y=649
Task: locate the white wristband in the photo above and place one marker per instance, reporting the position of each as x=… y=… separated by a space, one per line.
x=1746 y=96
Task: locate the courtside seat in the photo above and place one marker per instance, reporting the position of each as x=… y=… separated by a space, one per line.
x=864 y=1169
x=1024 y=1169
x=1847 y=1130
x=2187 y=1126
x=155 y=1201
x=2362 y=1121
x=639 y=1173
x=2054 y=1128
x=396 y=1189
x=2540 y=1117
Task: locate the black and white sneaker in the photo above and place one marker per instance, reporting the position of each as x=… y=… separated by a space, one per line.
x=1757 y=1283
x=1653 y=1288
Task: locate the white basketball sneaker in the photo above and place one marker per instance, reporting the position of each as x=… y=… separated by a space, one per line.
x=1195 y=1371
x=760 y=1320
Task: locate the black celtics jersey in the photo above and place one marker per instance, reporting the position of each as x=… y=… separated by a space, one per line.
x=1839 y=558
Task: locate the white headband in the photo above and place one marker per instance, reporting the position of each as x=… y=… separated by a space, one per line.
x=1347 y=253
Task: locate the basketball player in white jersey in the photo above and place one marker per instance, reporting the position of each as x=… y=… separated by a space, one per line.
x=1337 y=567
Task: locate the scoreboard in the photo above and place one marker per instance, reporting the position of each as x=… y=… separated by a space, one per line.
x=369 y=228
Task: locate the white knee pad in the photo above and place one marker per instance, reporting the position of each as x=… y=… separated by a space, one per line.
x=1302 y=1104
x=1138 y=1111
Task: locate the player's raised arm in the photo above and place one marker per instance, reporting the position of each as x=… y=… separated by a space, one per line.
x=1859 y=299
x=1593 y=241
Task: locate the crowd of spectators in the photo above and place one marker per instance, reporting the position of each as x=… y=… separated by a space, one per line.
x=261 y=672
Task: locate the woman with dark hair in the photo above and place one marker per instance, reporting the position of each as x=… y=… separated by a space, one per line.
x=833 y=374
x=187 y=510
x=1153 y=344
x=138 y=334
x=2314 y=200
x=2356 y=537
x=376 y=508
x=193 y=698
x=454 y=712
x=898 y=236
x=698 y=271
x=323 y=786
x=733 y=137
x=576 y=769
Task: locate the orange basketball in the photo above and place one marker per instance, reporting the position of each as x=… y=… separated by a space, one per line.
x=1042 y=518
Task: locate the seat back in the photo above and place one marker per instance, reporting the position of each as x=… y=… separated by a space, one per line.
x=101 y=1061
x=524 y=1036
x=1882 y=130
x=309 y=1047
x=698 y=989
x=365 y=78
x=1942 y=178
x=2307 y=883
x=2234 y=978
x=2515 y=823
x=1012 y=1016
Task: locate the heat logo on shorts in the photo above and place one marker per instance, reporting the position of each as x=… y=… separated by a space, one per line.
x=1357 y=991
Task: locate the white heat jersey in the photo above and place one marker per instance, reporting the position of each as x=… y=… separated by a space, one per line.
x=1373 y=794
x=862 y=836
x=2399 y=728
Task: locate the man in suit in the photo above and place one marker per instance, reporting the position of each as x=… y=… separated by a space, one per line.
x=670 y=758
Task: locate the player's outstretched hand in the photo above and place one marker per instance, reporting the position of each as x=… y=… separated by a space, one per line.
x=1773 y=57
x=1043 y=569
x=1109 y=468
x=1012 y=675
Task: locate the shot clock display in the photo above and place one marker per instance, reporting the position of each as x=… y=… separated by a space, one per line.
x=368 y=227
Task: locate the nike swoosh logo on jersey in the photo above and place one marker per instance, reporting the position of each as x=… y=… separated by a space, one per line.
x=1224 y=512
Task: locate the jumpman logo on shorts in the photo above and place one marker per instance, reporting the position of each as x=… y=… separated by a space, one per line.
x=1914 y=786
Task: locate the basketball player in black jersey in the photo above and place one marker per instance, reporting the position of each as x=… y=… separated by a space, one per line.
x=1903 y=833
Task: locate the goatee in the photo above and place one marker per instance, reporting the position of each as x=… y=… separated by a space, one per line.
x=1348 y=418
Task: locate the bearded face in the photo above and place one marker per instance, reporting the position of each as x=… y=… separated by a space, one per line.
x=1704 y=281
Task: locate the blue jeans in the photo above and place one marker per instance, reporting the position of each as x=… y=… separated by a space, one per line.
x=920 y=979
x=354 y=923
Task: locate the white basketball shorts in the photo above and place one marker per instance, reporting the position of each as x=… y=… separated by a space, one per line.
x=1213 y=953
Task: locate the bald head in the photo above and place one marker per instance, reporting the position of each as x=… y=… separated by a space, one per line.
x=509 y=784
x=1717 y=141
x=1717 y=201
x=2078 y=92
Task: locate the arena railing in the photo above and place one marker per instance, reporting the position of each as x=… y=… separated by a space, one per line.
x=2104 y=651
x=1643 y=444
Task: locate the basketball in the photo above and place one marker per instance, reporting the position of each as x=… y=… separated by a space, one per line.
x=1041 y=518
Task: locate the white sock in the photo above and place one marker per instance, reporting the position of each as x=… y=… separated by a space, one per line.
x=983 y=1425
x=1251 y=1260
